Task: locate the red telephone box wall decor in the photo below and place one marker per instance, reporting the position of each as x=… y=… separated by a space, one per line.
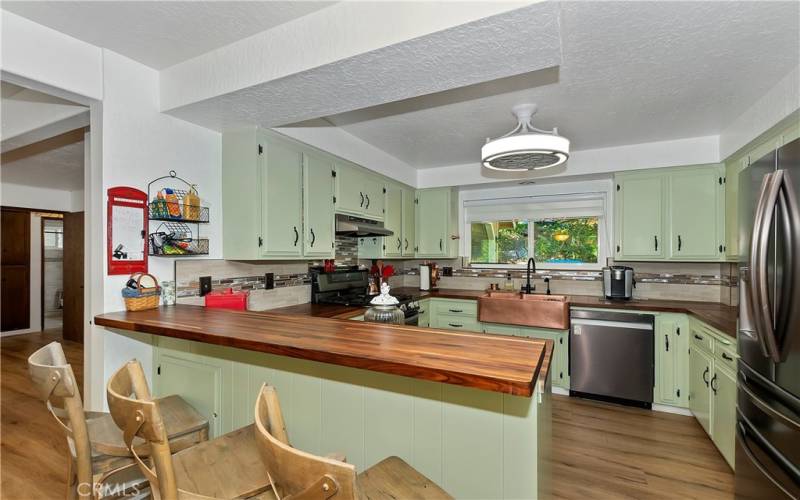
x=127 y=231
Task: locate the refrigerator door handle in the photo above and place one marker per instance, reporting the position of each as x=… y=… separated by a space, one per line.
x=760 y=236
x=771 y=190
x=758 y=465
x=787 y=200
x=767 y=408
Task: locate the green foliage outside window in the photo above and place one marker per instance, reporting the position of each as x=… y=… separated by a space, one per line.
x=558 y=241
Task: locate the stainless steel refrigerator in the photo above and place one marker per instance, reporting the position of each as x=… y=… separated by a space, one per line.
x=768 y=401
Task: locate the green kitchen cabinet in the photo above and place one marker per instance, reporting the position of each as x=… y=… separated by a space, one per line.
x=282 y=199
x=559 y=368
x=424 y=313
x=672 y=360
x=640 y=216
x=359 y=192
x=700 y=366
x=409 y=222
x=732 y=170
x=201 y=380
x=241 y=194
x=318 y=206
x=696 y=213
x=370 y=247
x=723 y=387
x=436 y=223
x=497 y=329
x=393 y=221
x=350 y=187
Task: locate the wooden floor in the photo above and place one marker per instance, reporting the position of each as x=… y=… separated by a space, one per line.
x=599 y=450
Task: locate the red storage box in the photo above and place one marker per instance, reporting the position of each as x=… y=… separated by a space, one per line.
x=228 y=299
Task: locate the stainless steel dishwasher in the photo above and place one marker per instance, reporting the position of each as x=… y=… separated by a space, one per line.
x=612 y=356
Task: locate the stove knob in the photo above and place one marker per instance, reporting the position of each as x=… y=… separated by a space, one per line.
x=402 y=307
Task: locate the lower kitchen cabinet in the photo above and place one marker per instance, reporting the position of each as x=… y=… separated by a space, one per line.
x=723 y=426
x=424 y=313
x=201 y=380
x=672 y=360
x=699 y=387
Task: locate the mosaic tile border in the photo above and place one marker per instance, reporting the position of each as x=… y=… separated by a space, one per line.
x=192 y=288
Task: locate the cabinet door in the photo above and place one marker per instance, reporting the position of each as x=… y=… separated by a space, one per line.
x=393 y=221
x=700 y=387
x=424 y=312
x=318 y=207
x=671 y=359
x=640 y=217
x=432 y=217
x=374 y=196
x=350 y=196
x=732 y=170
x=409 y=223
x=195 y=379
x=282 y=200
x=496 y=329
x=723 y=385
x=559 y=367
x=695 y=214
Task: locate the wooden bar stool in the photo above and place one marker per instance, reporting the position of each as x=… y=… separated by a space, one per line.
x=295 y=474
x=98 y=453
x=226 y=467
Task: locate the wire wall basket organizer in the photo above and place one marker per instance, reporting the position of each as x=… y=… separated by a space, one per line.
x=179 y=212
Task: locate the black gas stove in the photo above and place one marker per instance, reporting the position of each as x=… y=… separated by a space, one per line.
x=348 y=287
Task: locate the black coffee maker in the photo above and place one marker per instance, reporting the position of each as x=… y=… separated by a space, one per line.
x=618 y=282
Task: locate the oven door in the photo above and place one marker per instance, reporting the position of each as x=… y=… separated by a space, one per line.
x=413 y=319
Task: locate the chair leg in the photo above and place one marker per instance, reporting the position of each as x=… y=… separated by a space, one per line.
x=72 y=481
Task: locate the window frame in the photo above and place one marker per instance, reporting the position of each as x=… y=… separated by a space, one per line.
x=603 y=234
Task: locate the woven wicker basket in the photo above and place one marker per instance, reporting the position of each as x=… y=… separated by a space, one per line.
x=148 y=296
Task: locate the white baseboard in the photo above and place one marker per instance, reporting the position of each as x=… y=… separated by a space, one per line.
x=672 y=409
x=12 y=333
x=559 y=390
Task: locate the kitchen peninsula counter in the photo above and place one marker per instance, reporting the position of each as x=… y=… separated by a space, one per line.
x=500 y=364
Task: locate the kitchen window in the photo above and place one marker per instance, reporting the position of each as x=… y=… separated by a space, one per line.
x=564 y=232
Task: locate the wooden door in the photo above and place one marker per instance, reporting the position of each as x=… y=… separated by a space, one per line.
x=16 y=262
x=350 y=196
x=73 y=277
x=695 y=213
x=667 y=369
x=640 y=217
x=318 y=206
x=723 y=384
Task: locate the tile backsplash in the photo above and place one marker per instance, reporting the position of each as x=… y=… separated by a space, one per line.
x=707 y=282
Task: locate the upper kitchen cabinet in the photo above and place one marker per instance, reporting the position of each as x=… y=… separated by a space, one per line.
x=437 y=223
x=409 y=222
x=672 y=214
x=318 y=205
x=639 y=226
x=393 y=245
x=262 y=197
x=358 y=191
x=282 y=199
x=696 y=213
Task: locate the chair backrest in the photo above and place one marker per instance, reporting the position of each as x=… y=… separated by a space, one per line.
x=137 y=415
x=53 y=377
x=295 y=473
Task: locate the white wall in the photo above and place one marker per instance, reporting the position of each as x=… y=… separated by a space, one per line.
x=16 y=195
x=34 y=52
x=337 y=141
x=691 y=151
x=139 y=144
x=771 y=108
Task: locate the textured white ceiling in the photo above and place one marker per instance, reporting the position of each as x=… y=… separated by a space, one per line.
x=161 y=33
x=60 y=168
x=632 y=72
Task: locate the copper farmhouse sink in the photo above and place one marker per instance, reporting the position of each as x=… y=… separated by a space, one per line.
x=542 y=311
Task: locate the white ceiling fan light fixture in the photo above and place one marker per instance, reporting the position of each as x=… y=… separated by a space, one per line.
x=526 y=147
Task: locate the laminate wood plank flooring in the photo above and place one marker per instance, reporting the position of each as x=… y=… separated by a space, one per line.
x=600 y=451
x=33 y=463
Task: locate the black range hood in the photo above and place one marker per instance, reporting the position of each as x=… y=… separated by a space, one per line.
x=356 y=227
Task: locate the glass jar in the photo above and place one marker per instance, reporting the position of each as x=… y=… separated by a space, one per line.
x=168 y=297
x=388 y=313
